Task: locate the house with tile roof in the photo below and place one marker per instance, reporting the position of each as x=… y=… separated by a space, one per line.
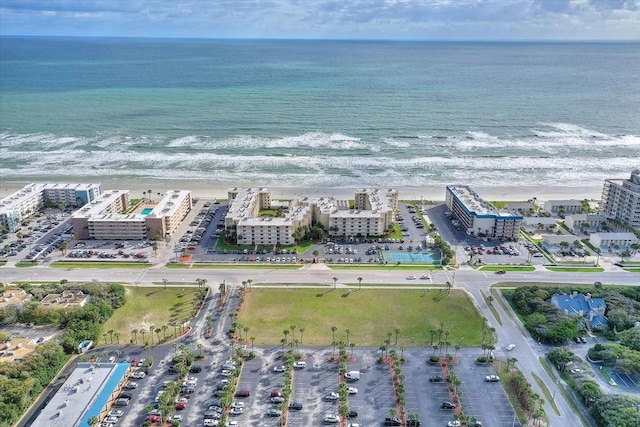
x=591 y=310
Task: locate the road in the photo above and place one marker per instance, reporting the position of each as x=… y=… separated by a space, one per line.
x=473 y=281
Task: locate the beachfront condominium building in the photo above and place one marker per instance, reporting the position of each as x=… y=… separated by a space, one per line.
x=480 y=218
x=563 y=207
x=621 y=200
x=372 y=214
x=105 y=218
x=33 y=197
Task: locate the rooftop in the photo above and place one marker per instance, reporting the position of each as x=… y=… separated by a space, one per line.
x=83 y=395
x=476 y=204
x=169 y=203
x=98 y=206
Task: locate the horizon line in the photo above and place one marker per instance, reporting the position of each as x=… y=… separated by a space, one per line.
x=311 y=39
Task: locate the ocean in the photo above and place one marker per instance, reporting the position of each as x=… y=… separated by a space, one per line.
x=318 y=113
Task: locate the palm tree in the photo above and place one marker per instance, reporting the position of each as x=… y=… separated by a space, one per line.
x=333 y=333
x=433 y=333
x=142 y=331
x=93 y=421
x=285 y=333
x=149 y=193
x=359 y=283
x=301 y=332
x=157 y=331
x=347 y=331
x=151 y=328
x=397 y=331
x=293 y=330
x=64 y=245
x=252 y=339
x=246 y=331
x=110 y=332
x=335 y=282
x=351 y=345
x=134 y=334
x=164 y=282
x=164 y=331
x=200 y=346
x=117 y=335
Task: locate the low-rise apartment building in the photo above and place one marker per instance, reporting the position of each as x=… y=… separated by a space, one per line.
x=563 y=207
x=617 y=241
x=372 y=214
x=103 y=219
x=32 y=197
x=480 y=218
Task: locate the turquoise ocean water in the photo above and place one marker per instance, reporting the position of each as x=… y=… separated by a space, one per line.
x=319 y=113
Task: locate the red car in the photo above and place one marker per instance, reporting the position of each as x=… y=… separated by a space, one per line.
x=154 y=418
x=180 y=405
x=500 y=272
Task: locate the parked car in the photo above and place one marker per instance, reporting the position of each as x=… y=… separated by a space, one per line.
x=510 y=347
x=492 y=378
x=352 y=390
x=243 y=393
x=332 y=396
x=412 y=277
x=392 y=421
x=277 y=399
x=413 y=423
x=274 y=412
x=436 y=378
x=331 y=418
x=300 y=364
x=500 y=272
x=279 y=368
x=296 y=406
x=447 y=405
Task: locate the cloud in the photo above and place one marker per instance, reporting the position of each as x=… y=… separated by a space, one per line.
x=377 y=19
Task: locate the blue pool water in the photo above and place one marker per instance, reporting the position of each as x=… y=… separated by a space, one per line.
x=146 y=211
x=411 y=257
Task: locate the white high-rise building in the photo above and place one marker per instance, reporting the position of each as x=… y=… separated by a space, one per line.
x=621 y=199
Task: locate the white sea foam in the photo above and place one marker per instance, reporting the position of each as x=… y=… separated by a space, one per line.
x=573 y=156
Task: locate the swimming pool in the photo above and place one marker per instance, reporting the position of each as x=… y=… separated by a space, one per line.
x=392 y=257
x=146 y=211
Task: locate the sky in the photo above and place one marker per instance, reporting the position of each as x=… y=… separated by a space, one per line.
x=327 y=19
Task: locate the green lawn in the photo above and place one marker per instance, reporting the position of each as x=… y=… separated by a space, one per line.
x=91 y=264
x=425 y=267
x=576 y=269
x=369 y=314
x=632 y=269
x=26 y=263
x=152 y=306
x=253 y=266
x=507 y=268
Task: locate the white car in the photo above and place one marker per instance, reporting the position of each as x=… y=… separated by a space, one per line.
x=331 y=418
x=176 y=417
x=138 y=375
x=210 y=423
x=300 y=364
x=237 y=405
x=115 y=413
x=225 y=373
x=332 y=396
x=236 y=411
x=412 y=278
x=352 y=390
x=279 y=368
x=425 y=277
x=510 y=347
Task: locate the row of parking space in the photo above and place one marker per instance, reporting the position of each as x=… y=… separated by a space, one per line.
x=375 y=396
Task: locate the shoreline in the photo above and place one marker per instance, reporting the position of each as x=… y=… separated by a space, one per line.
x=209 y=190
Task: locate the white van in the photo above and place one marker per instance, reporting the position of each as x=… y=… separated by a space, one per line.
x=352 y=375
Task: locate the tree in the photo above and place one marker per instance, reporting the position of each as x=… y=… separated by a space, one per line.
x=93 y=421
x=154 y=246
x=164 y=331
x=335 y=282
x=110 y=332
x=164 y=282
x=333 y=333
x=64 y=245
x=397 y=331
x=352 y=345
x=285 y=333
x=134 y=334
x=151 y=328
x=301 y=332
x=359 y=283
x=117 y=335
x=157 y=331
x=200 y=346
x=347 y=331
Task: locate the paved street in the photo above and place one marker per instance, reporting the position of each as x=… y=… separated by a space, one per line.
x=526 y=351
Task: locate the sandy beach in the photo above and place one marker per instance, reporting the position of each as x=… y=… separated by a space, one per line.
x=205 y=189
